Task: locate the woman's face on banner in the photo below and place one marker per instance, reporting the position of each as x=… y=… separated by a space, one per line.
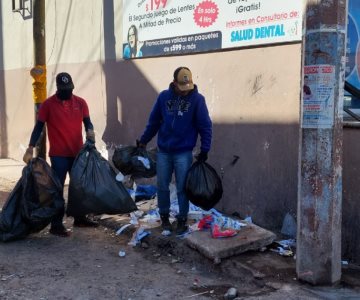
x=132 y=37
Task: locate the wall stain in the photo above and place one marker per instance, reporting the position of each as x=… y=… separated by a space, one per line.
x=257 y=85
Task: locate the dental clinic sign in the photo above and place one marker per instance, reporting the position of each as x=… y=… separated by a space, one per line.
x=168 y=27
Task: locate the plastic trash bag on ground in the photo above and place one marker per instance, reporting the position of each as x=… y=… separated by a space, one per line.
x=135 y=161
x=143 y=192
x=203 y=186
x=35 y=200
x=93 y=187
x=138 y=235
x=289 y=226
x=217 y=231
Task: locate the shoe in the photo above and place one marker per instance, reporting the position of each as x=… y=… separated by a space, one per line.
x=165 y=223
x=85 y=222
x=60 y=231
x=181 y=227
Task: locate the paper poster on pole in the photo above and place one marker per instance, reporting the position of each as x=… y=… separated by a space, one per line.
x=318 y=96
x=168 y=27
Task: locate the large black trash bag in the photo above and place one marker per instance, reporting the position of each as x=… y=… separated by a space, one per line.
x=35 y=200
x=129 y=161
x=93 y=187
x=203 y=186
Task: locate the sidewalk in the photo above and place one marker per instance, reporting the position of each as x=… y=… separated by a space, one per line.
x=274 y=275
x=11 y=169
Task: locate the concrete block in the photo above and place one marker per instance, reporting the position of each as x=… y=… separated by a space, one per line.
x=251 y=237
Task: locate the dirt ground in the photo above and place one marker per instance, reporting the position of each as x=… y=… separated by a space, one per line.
x=87 y=265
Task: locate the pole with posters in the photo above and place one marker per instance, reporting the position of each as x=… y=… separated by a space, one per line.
x=38 y=72
x=318 y=258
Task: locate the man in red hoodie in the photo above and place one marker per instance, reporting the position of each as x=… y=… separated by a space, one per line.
x=64 y=113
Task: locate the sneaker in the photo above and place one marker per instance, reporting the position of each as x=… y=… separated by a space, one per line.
x=60 y=231
x=165 y=223
x=181 y=227
x=85 y=222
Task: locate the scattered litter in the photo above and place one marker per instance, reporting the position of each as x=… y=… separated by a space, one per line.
x=205 y=223
x=198 y=294
x=138 y=213
x=131 y=193
x=138 y=235
x=145 y=192
x=166 y=233
x=231 y=293
x=122 y=253
x=148 y=204
x=226 y=222
x=133 y=219
x=219 y=228
x=122 y=228
x=194 y=227
x=145 y=161
x=105 y=216
x=216 y=232
x=285 y=248
x=283 y=252
x=120 y=177
x=287 y=243
x=289 y=226
x=151 y=216
x=344 y=262
x=248 y=219
x=4 y=278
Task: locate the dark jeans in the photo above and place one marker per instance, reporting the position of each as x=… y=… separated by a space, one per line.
x=61 y=166
x=166 y=164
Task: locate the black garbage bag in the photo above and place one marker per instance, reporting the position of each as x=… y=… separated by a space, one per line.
x=122 y=159
x=93 y=187
x=135 y=161
x=35 y=200
x=203 y=186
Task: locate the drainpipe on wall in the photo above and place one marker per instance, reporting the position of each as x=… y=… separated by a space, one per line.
x=318 y=258
x=38 y=72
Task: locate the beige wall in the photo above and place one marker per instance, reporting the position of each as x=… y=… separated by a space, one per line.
x=253 y=99
x=252 y=95
x=75 y=42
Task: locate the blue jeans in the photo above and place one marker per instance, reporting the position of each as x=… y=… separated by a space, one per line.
x=61 y=166
x=166 y=164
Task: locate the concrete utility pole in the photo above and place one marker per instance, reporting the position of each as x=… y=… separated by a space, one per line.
x=318 y=258
x=38 y=72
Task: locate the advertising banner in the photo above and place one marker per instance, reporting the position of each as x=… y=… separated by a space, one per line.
x=170 y=27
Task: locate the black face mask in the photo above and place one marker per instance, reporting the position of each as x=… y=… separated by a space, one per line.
x=64 y=94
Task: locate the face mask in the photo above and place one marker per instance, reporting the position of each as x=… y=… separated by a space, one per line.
x=64 y=94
